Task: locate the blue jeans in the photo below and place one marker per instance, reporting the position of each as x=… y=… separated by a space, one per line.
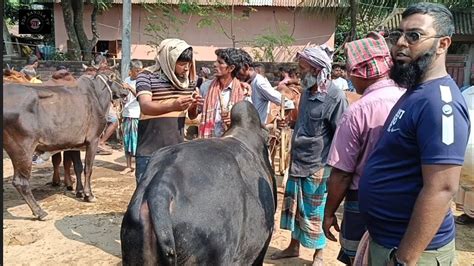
x=140 y=167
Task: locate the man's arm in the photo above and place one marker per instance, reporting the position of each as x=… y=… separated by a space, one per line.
x=440 y=183
x=268 y=92
x=338 y=184
x=148 y=107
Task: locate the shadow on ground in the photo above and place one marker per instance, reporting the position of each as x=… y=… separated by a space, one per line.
x=288 y=261
x=465 y=232
x=98 y=230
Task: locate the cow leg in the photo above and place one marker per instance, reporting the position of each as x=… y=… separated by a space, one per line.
x=67 y=169
x=76 y=159
x=91 y=150
x=20 y=154
x=56 y=158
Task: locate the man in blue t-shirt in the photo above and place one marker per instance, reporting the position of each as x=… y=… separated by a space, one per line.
x=410 y=178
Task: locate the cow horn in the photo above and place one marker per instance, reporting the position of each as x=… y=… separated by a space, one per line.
x=84 y=66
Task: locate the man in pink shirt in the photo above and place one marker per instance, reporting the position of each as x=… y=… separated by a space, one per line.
x=368 y=65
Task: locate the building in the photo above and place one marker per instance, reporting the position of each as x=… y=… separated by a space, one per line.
x=250 y=20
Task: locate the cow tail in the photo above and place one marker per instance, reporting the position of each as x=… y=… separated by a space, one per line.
x=161 y=219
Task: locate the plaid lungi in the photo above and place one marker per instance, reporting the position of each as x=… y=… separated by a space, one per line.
x=352 y=228
x=130 y=135
x=303 y=209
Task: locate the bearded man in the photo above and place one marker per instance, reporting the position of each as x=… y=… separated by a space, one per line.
x=321 y=106
x=407 y=185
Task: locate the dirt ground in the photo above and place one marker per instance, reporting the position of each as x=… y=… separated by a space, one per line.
x=80 y=233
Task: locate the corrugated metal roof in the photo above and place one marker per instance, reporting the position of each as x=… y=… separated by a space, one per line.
x=279 y=3
x=463 y=21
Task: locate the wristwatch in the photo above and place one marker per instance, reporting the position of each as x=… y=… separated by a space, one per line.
x=394 y=259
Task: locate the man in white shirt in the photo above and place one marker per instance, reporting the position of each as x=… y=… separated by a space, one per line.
x=337 y=79
x=131 y=115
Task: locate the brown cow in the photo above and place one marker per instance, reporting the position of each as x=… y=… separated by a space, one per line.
x=53 y=118
x=13 y=76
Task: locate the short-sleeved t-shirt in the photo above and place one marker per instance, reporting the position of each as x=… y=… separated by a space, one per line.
x=429 y=125
x=156 y=132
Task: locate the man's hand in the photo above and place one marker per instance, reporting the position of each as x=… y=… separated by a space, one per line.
x=328 y=222
x=182 y=103
x=197 y=99
x=247 y=89
x=281 y=122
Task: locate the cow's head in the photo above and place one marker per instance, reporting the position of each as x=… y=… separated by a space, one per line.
x=112 y=79
x=245 y=122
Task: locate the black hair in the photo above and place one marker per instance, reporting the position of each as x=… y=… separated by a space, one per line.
x=233 y=57
x=443 y=18
x=284 y=69
x=186 y=55
x=61 y=67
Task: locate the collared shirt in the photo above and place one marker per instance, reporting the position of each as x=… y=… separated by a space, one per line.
x=225 y=93
x=429 y=125
x=262 y=94
x=131 y=107
x=317 y=121
x=360 y=127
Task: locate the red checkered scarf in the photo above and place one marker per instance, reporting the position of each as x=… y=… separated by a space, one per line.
x=206 y=129
x=368 y=58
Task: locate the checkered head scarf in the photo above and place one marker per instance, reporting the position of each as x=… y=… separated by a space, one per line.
x=368 y=58
x=319 y=57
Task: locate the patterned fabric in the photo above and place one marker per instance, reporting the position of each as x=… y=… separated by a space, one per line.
x=352 y=228
x=168 y=54
x=303 y=209
x=130 y=135
x=206 y=130
x=368 y=58
x=319 y=57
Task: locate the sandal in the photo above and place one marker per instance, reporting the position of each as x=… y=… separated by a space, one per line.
x=464 y=219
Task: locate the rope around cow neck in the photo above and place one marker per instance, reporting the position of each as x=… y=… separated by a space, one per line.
x=107 y=85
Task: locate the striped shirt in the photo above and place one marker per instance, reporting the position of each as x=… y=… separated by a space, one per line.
x=155 y=132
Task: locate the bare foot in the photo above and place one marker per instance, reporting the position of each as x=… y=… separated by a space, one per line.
x=286 y=253
x=127 y=171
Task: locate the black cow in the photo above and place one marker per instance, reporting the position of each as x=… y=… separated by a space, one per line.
x=52 y=118
x=208 y=202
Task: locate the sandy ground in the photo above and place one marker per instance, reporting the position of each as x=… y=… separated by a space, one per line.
x=79 y=233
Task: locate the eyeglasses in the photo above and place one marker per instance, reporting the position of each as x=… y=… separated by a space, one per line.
x=412 y=37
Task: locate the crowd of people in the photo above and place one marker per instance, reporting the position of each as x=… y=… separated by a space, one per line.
x=394 y=156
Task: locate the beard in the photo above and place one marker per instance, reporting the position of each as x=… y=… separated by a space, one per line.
x=309 y=80
x=408 y=75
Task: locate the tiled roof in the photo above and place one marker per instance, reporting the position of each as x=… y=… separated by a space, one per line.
x=279 y=3
x=463 y=21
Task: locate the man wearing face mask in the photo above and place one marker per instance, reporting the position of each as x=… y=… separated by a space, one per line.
x=321 y=106
x=411 y=176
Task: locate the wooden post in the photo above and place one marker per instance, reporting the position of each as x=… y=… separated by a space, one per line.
x=126 y=39
x=283 y=138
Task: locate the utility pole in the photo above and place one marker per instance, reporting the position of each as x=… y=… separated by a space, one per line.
x=126 y=38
